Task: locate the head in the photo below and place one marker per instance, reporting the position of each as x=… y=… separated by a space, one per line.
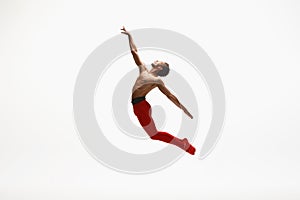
x=161 y=68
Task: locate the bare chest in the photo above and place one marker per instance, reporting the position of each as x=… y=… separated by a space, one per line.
x=145 y=81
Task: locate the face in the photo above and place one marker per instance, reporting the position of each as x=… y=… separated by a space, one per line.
x=157 y=64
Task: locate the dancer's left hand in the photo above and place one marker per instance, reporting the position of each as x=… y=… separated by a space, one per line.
x=187 y=112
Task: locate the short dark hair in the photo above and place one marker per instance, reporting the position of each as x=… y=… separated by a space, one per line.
x=165 y=70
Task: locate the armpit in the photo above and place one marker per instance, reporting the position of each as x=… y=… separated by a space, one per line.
x=142 y=67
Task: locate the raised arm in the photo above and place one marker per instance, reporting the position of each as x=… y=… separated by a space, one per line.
x=134 y=51
x=165 y=91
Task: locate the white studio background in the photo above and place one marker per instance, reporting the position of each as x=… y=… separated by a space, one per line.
x=255 y=46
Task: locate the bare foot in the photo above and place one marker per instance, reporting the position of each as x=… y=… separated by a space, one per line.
x=186 y=143
x=188 y=147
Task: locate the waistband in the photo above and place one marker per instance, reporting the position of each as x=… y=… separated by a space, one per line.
x=137 y=100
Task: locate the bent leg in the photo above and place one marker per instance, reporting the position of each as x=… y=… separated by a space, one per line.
x=148 y=125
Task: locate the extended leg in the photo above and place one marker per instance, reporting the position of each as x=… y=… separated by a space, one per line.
x=148 y=125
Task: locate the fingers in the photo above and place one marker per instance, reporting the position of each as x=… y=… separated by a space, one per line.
x=123 y=28
x=189 y=114
x=124 y=31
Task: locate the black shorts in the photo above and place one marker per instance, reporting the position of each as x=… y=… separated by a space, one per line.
x=137 y=100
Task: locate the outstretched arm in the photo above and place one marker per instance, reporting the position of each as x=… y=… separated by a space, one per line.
x=134 y=51
x=165 y=91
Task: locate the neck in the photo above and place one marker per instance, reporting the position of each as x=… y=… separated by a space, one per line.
x=153 y=72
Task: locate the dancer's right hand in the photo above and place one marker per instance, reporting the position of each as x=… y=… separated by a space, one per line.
x=125 y=31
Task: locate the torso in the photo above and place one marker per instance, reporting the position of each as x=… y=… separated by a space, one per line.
x=144 y=84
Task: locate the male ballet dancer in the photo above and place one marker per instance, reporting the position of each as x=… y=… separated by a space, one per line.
x=146 y=81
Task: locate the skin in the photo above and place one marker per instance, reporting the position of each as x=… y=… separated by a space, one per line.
x=148 y=79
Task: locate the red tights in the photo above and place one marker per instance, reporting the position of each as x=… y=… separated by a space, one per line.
x=143 y=112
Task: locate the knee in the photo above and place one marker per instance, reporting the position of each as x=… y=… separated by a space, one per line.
x=154 y=137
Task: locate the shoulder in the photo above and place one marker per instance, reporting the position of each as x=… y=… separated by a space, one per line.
x=142 y=67
x=159 y=82
x=142 y=64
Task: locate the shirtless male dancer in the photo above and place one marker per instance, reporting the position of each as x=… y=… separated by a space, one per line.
x=146 y=81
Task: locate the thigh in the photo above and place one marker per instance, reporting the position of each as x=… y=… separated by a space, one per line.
x=143 y=113
x=150 y=127
x=142 y=109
